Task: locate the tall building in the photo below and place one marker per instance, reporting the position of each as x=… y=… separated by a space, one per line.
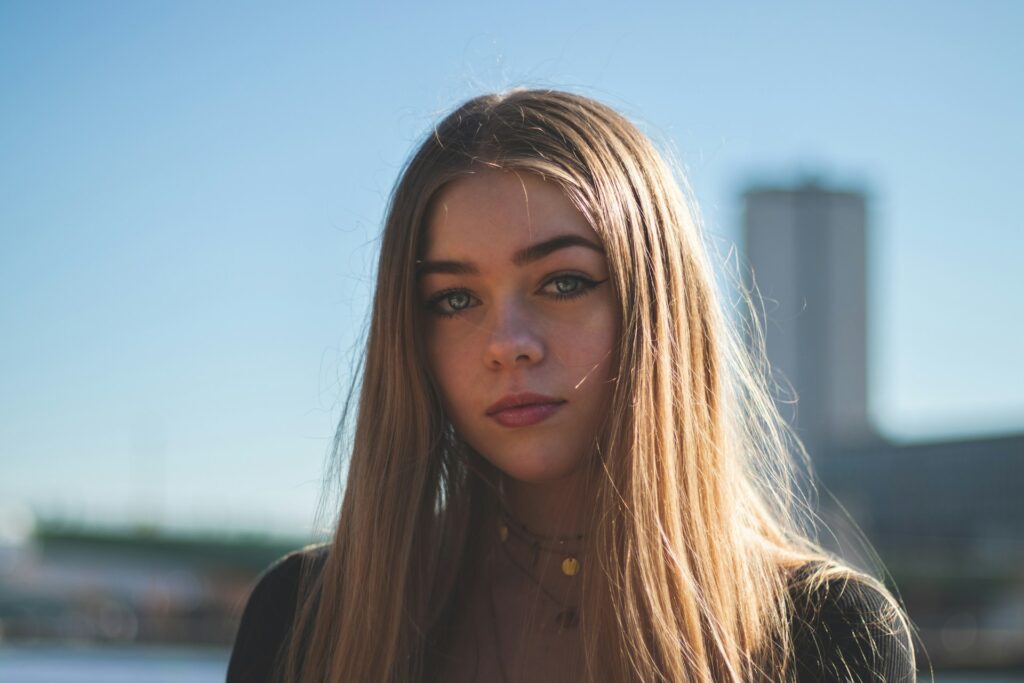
x=807 y=247
x=946 y=517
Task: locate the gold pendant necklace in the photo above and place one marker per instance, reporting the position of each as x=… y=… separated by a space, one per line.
x=560 y=545
x=568 y=615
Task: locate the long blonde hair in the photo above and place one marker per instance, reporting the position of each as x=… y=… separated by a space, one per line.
x=696 y=526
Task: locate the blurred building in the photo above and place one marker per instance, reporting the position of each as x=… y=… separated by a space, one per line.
x=68 y=584
x=808 y=249
x=946 y=517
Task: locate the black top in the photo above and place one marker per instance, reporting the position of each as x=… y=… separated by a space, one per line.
x=839 y=631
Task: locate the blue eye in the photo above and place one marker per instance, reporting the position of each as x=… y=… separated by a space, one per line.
x=458 y=300
x=567 y=285
x=450 y=302
x=570 y=286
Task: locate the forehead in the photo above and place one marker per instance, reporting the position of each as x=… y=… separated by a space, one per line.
x=494 y=212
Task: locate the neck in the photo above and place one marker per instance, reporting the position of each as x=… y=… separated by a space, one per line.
x=553 y=509
x=529 y=573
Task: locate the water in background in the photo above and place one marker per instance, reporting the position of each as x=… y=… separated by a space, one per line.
x=112 y=665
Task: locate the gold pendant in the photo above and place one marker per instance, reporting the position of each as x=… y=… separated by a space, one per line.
x=570 y=566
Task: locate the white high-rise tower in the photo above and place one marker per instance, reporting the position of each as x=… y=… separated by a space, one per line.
x=807 y=249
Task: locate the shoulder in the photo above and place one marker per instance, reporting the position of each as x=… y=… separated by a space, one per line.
x=846 y=627
x=267 y=619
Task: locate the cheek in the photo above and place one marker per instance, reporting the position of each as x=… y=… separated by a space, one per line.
x=587 y=345
x=451 y=365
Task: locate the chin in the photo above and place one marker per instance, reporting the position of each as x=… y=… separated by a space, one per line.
x=538 y=470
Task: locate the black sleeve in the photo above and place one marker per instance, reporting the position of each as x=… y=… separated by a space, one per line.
x=847 y=631
x=266 y=622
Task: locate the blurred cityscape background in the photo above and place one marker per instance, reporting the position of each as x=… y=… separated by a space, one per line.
x=189 y=201
x=945 y=516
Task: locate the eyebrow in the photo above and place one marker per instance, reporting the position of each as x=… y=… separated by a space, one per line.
x=529 y=254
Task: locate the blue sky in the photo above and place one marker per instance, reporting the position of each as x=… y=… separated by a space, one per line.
x=190 y=195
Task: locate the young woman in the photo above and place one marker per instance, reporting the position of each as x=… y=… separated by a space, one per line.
x=565 y=465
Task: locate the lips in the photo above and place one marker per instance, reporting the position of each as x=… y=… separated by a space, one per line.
x=523 y=410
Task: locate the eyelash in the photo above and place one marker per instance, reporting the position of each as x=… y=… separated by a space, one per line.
x=586 y=285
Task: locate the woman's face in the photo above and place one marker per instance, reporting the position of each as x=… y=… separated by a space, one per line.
x=521 y=322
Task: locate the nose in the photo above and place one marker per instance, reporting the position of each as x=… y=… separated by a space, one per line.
x=513 y=339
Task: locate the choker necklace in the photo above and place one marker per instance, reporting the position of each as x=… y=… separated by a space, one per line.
x=559 y=545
